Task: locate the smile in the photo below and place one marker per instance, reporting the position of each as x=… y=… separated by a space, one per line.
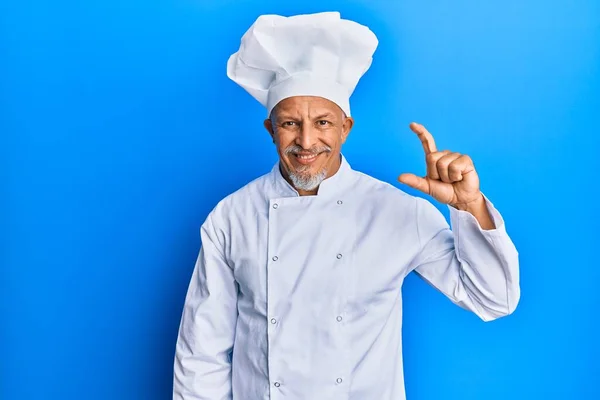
x=306 y=158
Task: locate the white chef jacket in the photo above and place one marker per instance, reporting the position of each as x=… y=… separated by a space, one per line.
x=299 y=297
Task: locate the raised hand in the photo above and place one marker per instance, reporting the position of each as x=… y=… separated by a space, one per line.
x=451 y=177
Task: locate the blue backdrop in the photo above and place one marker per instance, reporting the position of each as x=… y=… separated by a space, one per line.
x=120 y=131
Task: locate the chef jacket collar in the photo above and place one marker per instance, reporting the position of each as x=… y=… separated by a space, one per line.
x=342 y=179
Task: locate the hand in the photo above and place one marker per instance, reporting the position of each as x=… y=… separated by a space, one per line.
x=451 y=177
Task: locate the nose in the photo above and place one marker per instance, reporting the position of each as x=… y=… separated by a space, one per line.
x=307 y=136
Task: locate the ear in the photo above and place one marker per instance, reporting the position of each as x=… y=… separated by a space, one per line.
x=269 y=127
x=347 y=127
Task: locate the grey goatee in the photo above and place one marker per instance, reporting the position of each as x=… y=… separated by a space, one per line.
x=301 y=177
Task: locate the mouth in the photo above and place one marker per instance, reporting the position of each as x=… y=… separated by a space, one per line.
x=306 y=159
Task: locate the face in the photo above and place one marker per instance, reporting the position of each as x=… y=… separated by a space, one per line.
x=308 y=132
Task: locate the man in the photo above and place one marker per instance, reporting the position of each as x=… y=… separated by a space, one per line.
x=296 y=290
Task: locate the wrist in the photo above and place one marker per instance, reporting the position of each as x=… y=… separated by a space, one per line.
x=472 y=206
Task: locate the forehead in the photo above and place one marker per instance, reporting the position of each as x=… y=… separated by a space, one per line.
x=306 y=105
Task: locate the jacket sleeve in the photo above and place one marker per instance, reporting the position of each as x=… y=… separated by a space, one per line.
x=477 y=269
x=202 y=367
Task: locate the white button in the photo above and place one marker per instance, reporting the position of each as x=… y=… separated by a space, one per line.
x=275 y=205
x=277 y=384
x=275 y=258
x=339 y=256
x=339 y=380
x=339 y=318
x=273 y=321
x=340 y=202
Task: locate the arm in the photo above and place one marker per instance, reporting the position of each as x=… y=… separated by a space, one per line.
x=202 y=368
x=477 y=269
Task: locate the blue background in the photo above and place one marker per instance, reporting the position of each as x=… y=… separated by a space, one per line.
x=120 y=131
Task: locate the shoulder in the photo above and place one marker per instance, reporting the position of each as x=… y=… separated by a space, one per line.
x=376 y=189
x=233 y=210
x=391 y=199
x=248 y=198
x=398 y=205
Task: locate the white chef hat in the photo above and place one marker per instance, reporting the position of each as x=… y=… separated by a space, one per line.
x=303 y=55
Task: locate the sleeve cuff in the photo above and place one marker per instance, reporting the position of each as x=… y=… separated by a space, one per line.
x=466 y=220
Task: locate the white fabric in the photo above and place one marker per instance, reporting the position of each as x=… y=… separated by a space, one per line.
x=307 y=289
x=303 y=55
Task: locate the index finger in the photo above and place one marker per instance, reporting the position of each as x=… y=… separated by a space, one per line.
x=425 y=137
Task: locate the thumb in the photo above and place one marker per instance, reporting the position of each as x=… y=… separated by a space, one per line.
x=415 y=182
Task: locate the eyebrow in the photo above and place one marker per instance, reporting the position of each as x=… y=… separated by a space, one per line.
x=326 y=115
x=290 y=117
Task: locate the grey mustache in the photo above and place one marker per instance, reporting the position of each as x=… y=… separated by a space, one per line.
x=295 y=149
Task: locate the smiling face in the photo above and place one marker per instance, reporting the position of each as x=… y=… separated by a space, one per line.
x=308 y=132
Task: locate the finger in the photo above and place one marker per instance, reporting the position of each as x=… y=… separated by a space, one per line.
x=442 y=165
x=431 y=160
x=425 y=137
x=415 y=182
x=459 y=167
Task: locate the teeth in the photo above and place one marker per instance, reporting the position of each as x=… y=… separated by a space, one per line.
x=306 y=157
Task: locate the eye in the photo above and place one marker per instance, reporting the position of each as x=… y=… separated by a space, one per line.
x=323 y=122
x=289 y=123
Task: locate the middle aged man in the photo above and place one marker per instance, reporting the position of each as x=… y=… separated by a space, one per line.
x=296 y=290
